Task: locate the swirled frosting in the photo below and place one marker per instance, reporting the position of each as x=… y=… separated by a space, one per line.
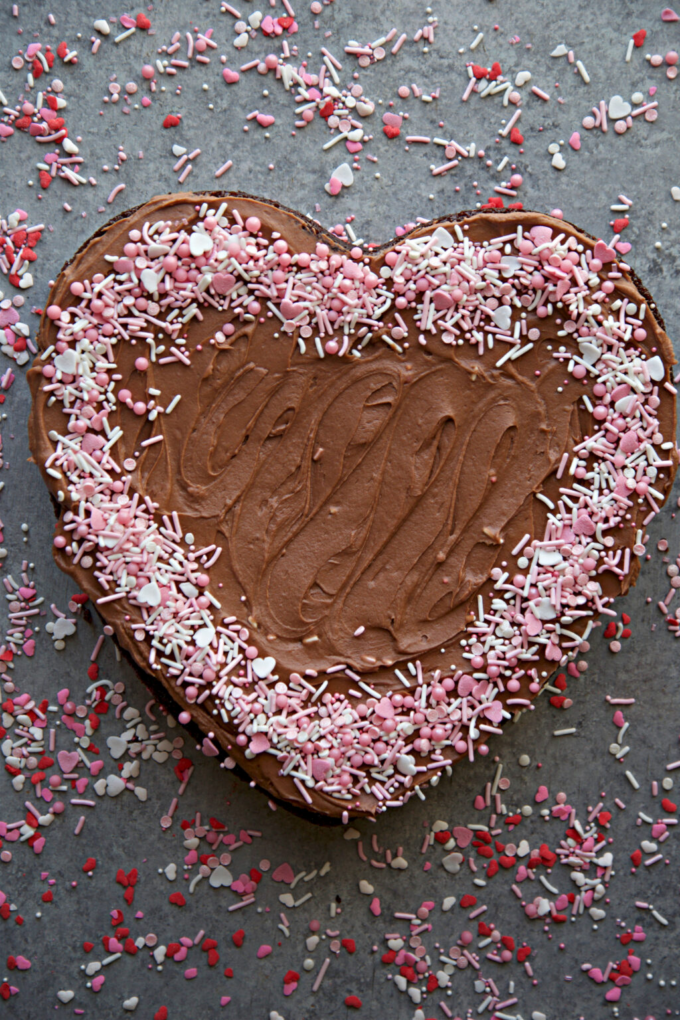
x=350 y=508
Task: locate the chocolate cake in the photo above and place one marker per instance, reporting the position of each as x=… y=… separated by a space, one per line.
x=350 y=507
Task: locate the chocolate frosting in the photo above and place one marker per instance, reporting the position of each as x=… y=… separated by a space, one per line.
x=376 y=492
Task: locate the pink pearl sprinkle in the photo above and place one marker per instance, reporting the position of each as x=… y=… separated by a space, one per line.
x=139 y=407
x=141 y=364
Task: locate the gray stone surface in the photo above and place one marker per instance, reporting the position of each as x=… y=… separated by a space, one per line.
x=643 y=164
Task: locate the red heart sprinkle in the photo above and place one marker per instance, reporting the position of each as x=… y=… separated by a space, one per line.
x=238 y=937
x=639 y=37
x=161 y=1014
x=143 y=22
x=171 y=121
x=516 y=136
x=468 y=901
x=349 y=945
x=354 y=1001
x=90 y=864
x=177 y=899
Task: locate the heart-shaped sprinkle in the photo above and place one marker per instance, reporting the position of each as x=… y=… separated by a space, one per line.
x=68 y=760
x=618 y=108
x=220 y=877
x=223 y=283
x=263 y=667
x=604 y=253
x=231 y=77
x=541 y=794
x=284 y=873
x=265 y=120
x=65 y=996
x=668 y=14
x=575 y=141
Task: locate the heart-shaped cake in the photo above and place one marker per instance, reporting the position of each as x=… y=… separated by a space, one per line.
x=350 y=507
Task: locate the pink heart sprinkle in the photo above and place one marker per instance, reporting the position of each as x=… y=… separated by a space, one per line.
x=263 y=951
x=223 y=282
x=575 y=141
x=541 y=794
x=623 y=247
x=353 y=146
x=28 y=648
x=613 y=995
x=289 y=989
x=97 y=982
x=480 y=803
x=68 y=760
x=462 y=836
x=596 y=974
x=392 y=120
x=231 y=77
x=603 y=253
x=668 y=14
x=265 y=120
x=335 y=186
x=81 y=784
x=23 y=963
x=96 y=767
x=618 y=719
x=208 y=748
x=284 y=873
x=375 y=907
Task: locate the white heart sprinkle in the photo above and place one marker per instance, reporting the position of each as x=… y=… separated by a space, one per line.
x=560 y=51
x=155 y=251
x=522 y=78
x=188 y=589
x=131 y=1004
x=312 y=942
x=159 y=953
x=675 y=194
x=452 y=862
x=141 y=793
x=204 y=636
x=351 y=834
x=178 y=150
x=344 y=174
x=100 y=787
x=63 y=628
x=241 y=40
x=263 y=667
x=200 y=244
x=442 y=239
x=149 y=595
x=171 y=872
x=502 y=316
x=287 y=899
x=618 y=108
x=220 y=877
x=406 y=764
x=66 y=362
x=558 y=161
x=70 y=147
x=365 y=887
x=66 y=995
x=114 y=785
x=655 y=367
x=93 y=967
x=117 y=746
x=100 y=25
x=590 y=353
x=448 y=903
x=597 y=913
x=395 y=944
x=399 y=863
x=149 y=280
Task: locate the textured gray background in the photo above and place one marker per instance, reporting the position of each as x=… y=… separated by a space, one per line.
x=644 y=165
